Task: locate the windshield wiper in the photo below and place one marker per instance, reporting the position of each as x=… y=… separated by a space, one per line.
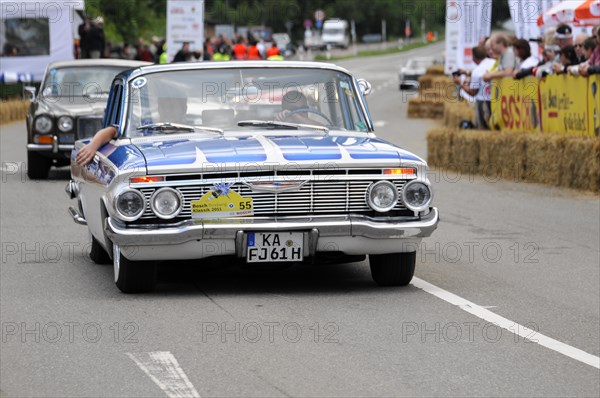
x=168 y=127
x=272 y=124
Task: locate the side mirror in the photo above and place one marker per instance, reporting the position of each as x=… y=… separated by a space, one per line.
x=364 y=86
x=29 y=92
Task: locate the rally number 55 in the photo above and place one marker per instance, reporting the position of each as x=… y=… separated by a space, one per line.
x=246 y=205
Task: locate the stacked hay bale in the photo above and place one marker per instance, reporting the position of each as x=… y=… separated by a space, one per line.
x=435 y=89
x=567 y=161
x=458 y=111
x=13 y=110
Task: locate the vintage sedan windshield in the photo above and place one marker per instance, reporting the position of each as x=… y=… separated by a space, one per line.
x=230 y=97
x=79 y=81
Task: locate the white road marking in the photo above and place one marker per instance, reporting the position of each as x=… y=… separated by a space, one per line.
x=380 y=123
x=164 y=370
x=513 y=327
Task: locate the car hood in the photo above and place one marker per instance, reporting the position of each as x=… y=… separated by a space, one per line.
x=278 y=151
x=73 y=106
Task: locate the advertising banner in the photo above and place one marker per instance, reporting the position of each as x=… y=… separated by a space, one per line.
x=515 y=105
x=594 y=105
x=564 y=104
x=467 y=22
x=185 y=23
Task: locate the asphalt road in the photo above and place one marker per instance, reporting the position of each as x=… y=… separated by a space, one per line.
x=522 y=255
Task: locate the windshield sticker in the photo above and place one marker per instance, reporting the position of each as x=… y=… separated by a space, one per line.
x=221 y=201
x=344 y=85
x=139 y=82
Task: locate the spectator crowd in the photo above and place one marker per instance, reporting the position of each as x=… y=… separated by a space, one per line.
x=500 y=56
x=92 y=44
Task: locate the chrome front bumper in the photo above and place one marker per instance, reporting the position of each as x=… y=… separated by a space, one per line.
x=353 y=234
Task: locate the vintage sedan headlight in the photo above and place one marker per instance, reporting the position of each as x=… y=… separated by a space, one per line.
x=416 y=196
x=166 y=203
x=130 y=204
x=43 y=124
x=382 y=196
x=65 y=124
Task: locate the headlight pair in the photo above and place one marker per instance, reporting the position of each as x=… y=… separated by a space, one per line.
x=166 y=203
x=43 y=124
x=382 y=196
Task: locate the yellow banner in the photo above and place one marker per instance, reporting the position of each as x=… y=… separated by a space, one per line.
x=594 y=105
x=515 y=104
x=564 y=106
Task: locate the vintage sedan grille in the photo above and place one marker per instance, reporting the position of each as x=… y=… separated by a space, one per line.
x=88 y=126
x=315 y=197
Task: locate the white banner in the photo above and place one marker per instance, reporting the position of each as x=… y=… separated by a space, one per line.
x=185 y=23
x=467 y=22
x=524 y=14
x=34 y=33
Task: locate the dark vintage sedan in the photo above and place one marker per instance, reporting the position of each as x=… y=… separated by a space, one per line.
x=69 y=106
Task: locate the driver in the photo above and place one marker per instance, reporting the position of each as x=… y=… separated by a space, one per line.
x=291 y=105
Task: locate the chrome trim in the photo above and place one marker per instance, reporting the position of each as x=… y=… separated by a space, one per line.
x=370 y=200
x=49 y=147
x=420 y=208
x=314 y=196
x=153 y=207
x=72 y=189
x=274 y=186
x=123 y=216
x=55 y=144
x=77 y=217
x=229 y=229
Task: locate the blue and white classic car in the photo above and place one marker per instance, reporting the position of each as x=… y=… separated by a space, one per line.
x=254 y=161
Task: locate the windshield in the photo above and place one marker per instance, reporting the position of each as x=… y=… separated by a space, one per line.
x=230 y=98
x=80 y=81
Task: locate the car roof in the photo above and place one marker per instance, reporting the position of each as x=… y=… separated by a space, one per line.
x=97 y=62
x=232 y=64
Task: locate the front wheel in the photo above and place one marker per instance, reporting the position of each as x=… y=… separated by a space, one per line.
x=38 y=166
x=396 y=269
x=133 y=276
x=97 y=253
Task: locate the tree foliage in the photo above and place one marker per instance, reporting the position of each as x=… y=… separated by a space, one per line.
x=130 y=19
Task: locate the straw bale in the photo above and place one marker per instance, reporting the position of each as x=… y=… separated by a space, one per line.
x=418 y=108
x=435 y=70
x=581 y=163
x=456 y=112
x=13 y=110
x=543 y=158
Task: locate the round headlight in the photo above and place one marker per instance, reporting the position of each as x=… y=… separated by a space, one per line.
x=382 y=196
x=130 y=205
x=416 y=196
x=43 y=124
x=65 y=123
x=166 y=203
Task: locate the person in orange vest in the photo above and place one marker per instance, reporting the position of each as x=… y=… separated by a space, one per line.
x=273 y=50
x=253 y=53
x=430 y=37
x=240 y=50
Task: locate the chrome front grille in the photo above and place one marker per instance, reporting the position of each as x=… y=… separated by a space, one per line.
x=88 y=126
x=315 y=197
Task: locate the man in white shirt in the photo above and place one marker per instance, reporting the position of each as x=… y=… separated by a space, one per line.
x=479 y=88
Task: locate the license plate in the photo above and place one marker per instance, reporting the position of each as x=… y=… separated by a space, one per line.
x=275 y=246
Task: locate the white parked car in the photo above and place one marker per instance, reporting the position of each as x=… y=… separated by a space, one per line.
x=414 y=68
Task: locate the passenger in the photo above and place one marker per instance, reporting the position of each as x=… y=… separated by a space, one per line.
x=170 y=110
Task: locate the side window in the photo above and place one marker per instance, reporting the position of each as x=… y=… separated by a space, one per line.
x=113 y=107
